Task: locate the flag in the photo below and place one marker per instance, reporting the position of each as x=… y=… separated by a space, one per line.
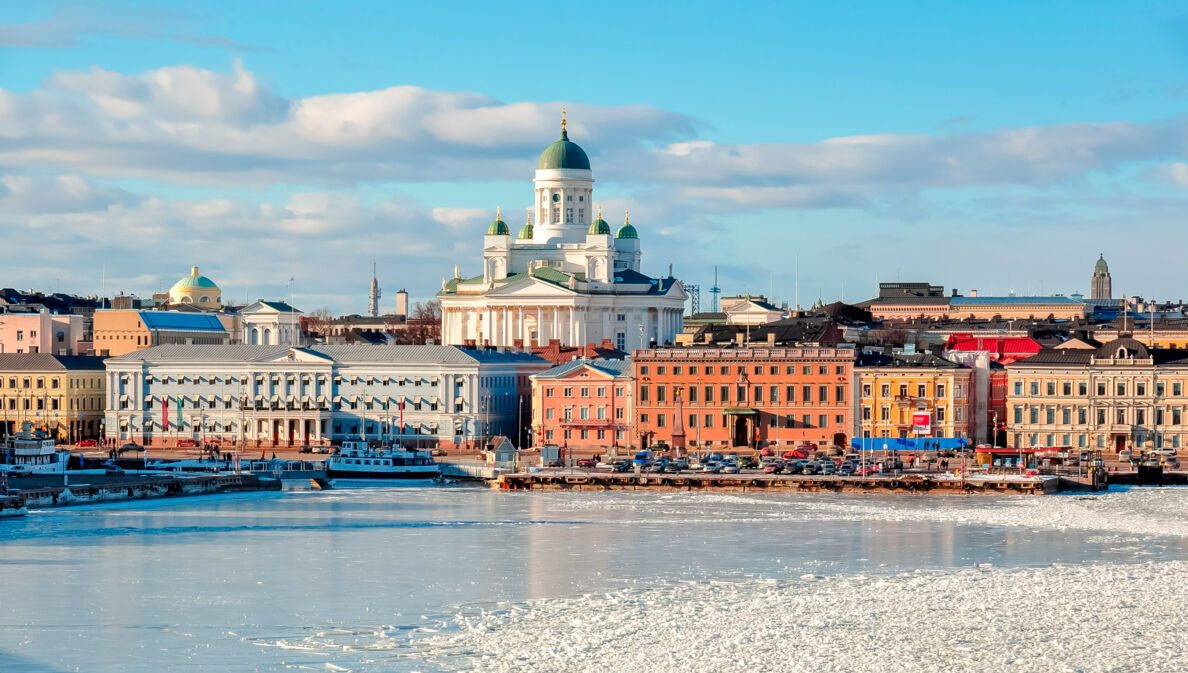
x=180 y=423
x=401 y=417
x=165 y=414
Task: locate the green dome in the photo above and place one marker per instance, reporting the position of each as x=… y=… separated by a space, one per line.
x=1101 y=264
x=498 y=227
x=563 y=154
x=627 y=231
x=194 y=280
x=599 y=226
x=525 y=232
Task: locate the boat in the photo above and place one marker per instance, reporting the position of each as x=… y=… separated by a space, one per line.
x=356 y=459
x=30 y=452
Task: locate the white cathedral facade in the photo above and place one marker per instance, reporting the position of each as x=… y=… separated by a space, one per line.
x=567 y=277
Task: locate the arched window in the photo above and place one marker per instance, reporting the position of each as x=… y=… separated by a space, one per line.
x=204 y=299
x=187 y=300
x=255 y=338
x=267 y=337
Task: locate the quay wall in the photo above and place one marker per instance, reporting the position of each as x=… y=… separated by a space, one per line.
x=143 y=489
x=761 y=484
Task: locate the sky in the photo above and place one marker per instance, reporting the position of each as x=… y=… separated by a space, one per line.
x=805 y=150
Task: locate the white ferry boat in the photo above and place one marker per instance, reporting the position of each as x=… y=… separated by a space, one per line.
x=32 y=453
x=356 y=460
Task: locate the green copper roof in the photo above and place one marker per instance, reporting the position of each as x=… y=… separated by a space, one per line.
x=627 y=231
x=1101 y=264
x=525 y=232
x=599 y=226
x=194 y=280
x=563 y=154
x=498 y=228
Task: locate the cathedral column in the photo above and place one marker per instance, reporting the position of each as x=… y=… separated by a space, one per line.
x=487 y=327
x=606 y=333
x=539 y=325
x=524 y=328
x=507 y=330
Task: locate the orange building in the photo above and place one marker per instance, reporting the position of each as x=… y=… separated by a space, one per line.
x=584 y=405
x=119 y=332
x=744 y=397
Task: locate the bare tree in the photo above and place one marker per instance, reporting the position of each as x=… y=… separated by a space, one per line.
x=316 y=321
x=424 y=322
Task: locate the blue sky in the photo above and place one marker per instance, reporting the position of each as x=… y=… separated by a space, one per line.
x=997 y=146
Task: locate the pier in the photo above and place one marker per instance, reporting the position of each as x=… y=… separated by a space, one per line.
x=95 y=489
x=761 y=483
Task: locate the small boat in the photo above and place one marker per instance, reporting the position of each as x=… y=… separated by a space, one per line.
x=355 y=459
x=32 y=452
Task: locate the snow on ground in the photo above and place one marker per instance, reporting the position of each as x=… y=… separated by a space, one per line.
x=1136 y=511
x=1125 y=617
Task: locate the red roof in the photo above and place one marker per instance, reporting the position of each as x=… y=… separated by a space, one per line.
x=557 y=354
x=1003 y=350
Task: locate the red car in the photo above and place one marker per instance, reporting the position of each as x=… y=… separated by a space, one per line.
x=587 y=462
x=86 y=443
x=186 y=444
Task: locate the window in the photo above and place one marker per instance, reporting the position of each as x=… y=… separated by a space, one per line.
x=1101 y=416
x=661 y=370
x=581 y=219
x=709 y=421
x=822 y=370
x=692 y=393
x=758 y=395
x=921 y=390
x=676 y=371
x=709 y=394
x=1018 y=415
x=1051 y=388
x=1160 y=389
x=692 y=420
x=1121 y=389
x=772 y=421
x=1082 y=416
x=1066 y=390
x=1083 y=389
x=549 y=413
x=660 y=393
x=1033 y=415
x=740 y=395
x=585 y=391
x=548 y=392
x=1140 y=416
x=806 y=394
x=903 y=390
x=886 y=390
x=940 y=414
x=940 y=390
x=643 y=418
x=621 y=317
x=693 y=370
x=866 y=415
x=661 y=420
x=602 y=413
x=806 y=370
x=822 y=394
x=885 y=413
x=773 y=395
x=1120 y=416
x=1177 y=388
x=822 y=420
x=1049 y=416
x=725 y=394
x=621 y=341
x=790 y=394
x=1033 y=388
x=643 y=370
x=584 y=413
x=839 y=394
x=866 y=390
x=840 y=370
x=806 y=421
x=1140 y=388
x=1018 y=387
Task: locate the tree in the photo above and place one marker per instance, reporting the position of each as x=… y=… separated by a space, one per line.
x=316 y=321
x=424 y=322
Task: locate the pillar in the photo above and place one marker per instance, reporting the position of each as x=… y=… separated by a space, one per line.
x=539 y=325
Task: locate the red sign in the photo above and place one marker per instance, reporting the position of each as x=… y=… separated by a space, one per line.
x=921 y=422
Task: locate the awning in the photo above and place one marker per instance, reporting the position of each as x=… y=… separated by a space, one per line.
x=740 y=411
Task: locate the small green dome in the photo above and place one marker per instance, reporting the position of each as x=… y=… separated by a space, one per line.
x=599 y=226
x=498 y=227
x=525 y=232
x=627 y=231
x=1101 y=264
x=563 y=154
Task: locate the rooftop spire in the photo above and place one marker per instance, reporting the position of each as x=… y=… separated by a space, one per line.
x=527 y=216
x=600 y=211
x=564 y=134
x=626 y=217
x=497 y=215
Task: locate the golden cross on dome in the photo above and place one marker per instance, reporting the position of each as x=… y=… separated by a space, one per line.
x=562 y=117
x=626 y=217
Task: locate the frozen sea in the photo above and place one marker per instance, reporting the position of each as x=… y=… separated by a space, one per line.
x=458 y=579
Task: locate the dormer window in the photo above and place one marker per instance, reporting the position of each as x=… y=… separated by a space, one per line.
x=1121 y=353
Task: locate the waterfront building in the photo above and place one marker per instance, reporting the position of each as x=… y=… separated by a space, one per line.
x=1102 y=286
x=1001 y=349
x=1017 y=308
x=1122 y=395
x=270 y=323
x=569 y=276
x=584 y=405
x=895 y=388
x=61 y=394
x=271 y=396
x=119 y=332
x=196 y=289
x=42 y=332
x=744 y=397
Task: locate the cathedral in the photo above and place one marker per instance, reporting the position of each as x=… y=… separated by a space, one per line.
x=567 y=277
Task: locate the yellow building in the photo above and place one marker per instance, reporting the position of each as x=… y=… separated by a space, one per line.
x=197 y=290
x=1122 y=395
x=892 y=388
x=62 y=394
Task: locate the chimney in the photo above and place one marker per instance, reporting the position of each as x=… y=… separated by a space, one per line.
x=771 y=338
x=973 y=293
x=740 y=338
x=709 y=337
x=954 y=292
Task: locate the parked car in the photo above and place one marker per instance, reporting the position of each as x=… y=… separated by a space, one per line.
x=828 y=468
x=712 y=467
x=187 y=444
x=673 y=467
x=587 y=463
x=846 y=470
x=305 y=449
x=621 y=466
x=810 y=467
x=111 y=469
x=773 y=467
x=863 y=470
x=1125 y=454
x=731 y=468
x=87 y=443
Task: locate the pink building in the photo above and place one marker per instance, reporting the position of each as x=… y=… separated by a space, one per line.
x=583 y=405
x=42 y=332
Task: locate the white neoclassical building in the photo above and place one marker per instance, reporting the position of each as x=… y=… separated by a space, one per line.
x=270 y=323
x=567 y=277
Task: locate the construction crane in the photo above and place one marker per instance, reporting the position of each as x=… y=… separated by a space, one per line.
x=694 y=291
x=715 y=291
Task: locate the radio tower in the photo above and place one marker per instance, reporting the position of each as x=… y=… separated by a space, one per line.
x=715 y=291
x=694 y=291
x=373 y=304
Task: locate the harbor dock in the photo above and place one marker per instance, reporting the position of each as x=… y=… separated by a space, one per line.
x=762 y=483
x=49 y=491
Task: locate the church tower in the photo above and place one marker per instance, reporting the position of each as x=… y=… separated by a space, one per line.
x=1101 y=286
x=564 y=188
